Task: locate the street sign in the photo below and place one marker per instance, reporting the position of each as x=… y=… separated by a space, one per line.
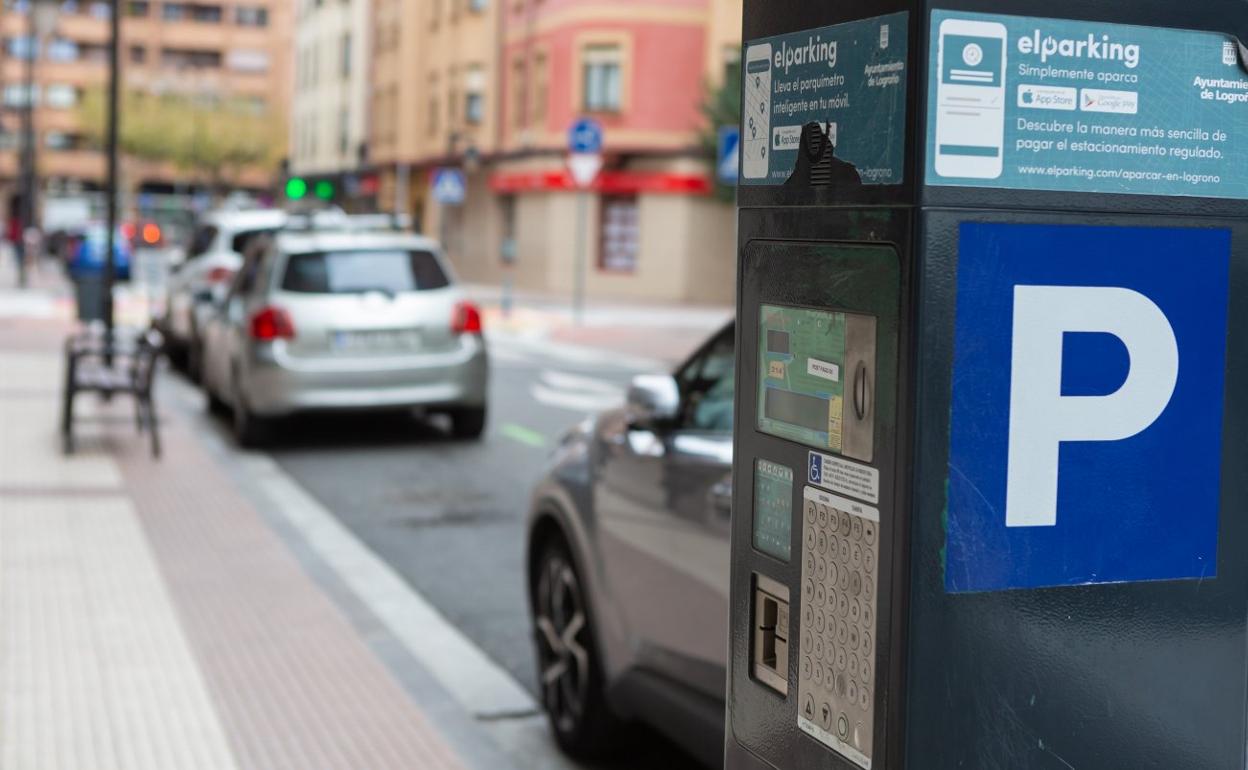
x=728 y=162
x=1087 y=405
x=585 y=137
x=449 y=187
x=584 y=168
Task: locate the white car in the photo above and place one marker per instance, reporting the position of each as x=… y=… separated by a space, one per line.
x=213 y=256
x=345 y=321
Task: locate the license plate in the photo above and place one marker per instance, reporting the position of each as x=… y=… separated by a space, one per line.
x=378 y=340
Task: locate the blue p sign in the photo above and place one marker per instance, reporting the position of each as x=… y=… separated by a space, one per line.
x=1085 y=443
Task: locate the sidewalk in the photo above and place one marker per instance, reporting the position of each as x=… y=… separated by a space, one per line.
x=151 y=617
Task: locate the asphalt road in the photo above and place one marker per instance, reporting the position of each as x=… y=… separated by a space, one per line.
x=450 y=516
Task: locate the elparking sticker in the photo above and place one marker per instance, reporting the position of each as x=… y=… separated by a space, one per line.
x=1051 y=104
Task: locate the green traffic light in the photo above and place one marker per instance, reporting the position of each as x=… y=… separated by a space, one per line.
x=296 y=188
x=324 y=190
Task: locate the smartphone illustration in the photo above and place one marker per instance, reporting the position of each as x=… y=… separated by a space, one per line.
x=756 y=113
x=970 y=99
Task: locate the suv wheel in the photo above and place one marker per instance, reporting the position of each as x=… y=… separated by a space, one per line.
x=468 y=423
x=569 y=671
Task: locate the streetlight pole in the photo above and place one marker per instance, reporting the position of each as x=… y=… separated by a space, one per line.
x=27 y=173
x=114 y=81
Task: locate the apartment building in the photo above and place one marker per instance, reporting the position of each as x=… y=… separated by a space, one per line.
x=434 y=102
x=215 y=49
x=329 y=138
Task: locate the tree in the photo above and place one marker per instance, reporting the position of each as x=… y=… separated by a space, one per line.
x=212 y=140
x=721 y=106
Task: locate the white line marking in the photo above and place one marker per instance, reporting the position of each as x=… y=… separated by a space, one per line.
x=565 y=381
x=479 y=684
x=574 y=402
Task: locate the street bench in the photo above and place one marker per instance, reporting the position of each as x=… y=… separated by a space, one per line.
x=107 y=364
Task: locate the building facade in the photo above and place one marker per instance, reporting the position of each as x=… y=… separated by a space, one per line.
x=492 y=86
x=222 y=49
x=329 y=129
x=434 y=101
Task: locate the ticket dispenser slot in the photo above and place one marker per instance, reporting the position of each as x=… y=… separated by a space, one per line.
x=820 y=356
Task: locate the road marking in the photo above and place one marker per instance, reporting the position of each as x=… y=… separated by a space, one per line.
x=523 y=435
x=575 y=393
x=475 y=681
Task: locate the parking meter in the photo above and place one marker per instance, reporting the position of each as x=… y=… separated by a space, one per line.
x=989 y=455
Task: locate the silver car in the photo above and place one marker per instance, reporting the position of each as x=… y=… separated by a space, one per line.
x=345 y=321
x=628 y=563
x=211 y=259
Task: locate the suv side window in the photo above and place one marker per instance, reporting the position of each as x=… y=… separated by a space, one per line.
x=707 y=386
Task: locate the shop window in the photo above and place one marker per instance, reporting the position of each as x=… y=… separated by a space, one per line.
x=620 y=237
x=603 y=78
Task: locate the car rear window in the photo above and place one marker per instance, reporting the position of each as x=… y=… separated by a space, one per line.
x=352 y=272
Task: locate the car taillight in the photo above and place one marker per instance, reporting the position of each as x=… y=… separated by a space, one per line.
x=272 y=323
x=219 y=275
x=466 y=319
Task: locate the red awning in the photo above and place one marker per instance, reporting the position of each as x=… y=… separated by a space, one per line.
x=609 y=182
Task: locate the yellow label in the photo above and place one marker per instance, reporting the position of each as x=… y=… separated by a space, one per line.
x=776 y=370
x=835 y=413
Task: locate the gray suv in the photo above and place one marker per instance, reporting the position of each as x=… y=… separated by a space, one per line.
x=628 y=563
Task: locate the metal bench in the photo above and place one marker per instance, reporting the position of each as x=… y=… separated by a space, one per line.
x=111 y=365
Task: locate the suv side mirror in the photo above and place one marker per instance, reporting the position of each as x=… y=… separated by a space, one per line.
x=653 y=399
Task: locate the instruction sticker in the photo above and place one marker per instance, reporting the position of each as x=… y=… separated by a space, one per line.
x=1046 y=104
x=844 y=477
x=849 y=78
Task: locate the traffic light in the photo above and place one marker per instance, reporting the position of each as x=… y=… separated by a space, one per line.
x=296 y=188
x=324 y=190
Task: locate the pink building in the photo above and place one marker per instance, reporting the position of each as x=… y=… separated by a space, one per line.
x=642 y=69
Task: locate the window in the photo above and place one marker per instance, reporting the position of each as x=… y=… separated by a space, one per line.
x=138 y=54
x=174 y=11
x=16 y=95
x=478 y=6
x=138 y=8
x=59 y=140
x=520 y=92
x=707 y=386
x=620 y=241
x=100 y=10
x=187 y=58
x=344 y=127
x=603 y=87
x=96 y=53
x=210 y=14
x=474 y=95
x=540 y=90
x=61 y=95
x=20 y=47
x=251 y=16
x=247 y=60
x=62 y=49
x=355 y=272
x=344 y=65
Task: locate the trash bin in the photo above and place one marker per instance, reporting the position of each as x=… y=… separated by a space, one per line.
x=89 y=291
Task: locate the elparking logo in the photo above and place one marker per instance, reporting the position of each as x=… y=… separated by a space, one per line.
x=1086 y=435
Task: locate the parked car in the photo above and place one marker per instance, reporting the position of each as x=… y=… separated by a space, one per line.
x=344 y=321
x=212 y=257
x=628 y=554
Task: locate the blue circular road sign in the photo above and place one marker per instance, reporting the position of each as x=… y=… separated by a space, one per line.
x=585 y=136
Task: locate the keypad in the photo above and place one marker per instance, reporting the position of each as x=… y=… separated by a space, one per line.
x=836 y=658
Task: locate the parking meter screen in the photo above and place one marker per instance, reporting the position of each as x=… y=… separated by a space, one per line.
x=801 y=385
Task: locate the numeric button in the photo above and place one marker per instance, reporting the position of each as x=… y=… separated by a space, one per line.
x=868 y=532
x=856 y=528
x=846 y=525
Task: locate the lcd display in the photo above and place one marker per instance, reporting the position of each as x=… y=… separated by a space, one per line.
x=803 y=373
x=773 y=509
